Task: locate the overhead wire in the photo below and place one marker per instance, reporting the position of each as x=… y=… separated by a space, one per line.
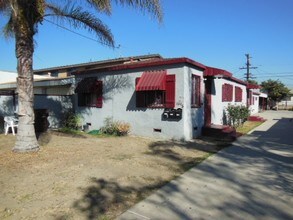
x=79 y=34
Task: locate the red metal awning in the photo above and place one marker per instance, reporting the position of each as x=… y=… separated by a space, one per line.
x=152 y=80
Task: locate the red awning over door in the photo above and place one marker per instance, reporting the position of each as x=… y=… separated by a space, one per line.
x=152 y=80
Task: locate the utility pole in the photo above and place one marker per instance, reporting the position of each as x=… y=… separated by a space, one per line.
x=248 y=67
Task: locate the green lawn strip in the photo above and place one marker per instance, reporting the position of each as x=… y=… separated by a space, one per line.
x=248 y=126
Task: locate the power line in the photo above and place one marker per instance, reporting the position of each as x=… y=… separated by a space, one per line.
x=81 y=35
x=275 y=76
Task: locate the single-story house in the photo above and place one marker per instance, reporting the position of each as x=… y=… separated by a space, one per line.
x=158 y=97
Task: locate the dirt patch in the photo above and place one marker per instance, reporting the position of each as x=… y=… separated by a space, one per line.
x=87 y=177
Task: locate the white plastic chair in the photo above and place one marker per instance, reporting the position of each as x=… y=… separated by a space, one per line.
x=10 y=122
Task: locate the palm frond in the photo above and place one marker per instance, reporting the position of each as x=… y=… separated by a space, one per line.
x=153 y=7
x=78 y=18
x=8 y=30
x=4 y=5
x=101 y=5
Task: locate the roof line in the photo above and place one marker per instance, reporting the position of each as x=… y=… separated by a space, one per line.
x=150 y=63
x=121 y=59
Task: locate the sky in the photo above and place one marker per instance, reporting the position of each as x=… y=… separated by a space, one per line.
x=216 y=33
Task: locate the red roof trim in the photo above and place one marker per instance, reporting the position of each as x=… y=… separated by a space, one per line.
x=211 y=71
x=253 y=86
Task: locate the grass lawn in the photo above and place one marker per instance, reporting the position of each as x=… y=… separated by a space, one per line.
x=248 y=126
x=77 y=176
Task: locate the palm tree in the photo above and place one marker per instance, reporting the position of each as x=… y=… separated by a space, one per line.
x=24 y=16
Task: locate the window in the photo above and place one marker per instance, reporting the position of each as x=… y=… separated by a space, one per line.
x=151 y=99
x=152 y=96
x=227 y=93
x=238 y=94
x=90 y=93
x=195 y=91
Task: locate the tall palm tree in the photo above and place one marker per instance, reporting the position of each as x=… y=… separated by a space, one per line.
x=24 y=16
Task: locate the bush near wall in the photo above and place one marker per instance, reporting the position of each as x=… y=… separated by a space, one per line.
x=116 y=128
x=237 y=115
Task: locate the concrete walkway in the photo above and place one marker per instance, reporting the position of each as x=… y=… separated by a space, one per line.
x=253 y=179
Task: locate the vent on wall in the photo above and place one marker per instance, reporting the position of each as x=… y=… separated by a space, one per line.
x=157 y=130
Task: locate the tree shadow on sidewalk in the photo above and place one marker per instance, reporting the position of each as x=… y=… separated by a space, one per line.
x=104 y=198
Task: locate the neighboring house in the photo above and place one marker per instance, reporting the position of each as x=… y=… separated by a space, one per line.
x=52 y=95
x=256 y=100
x=7 y=97
x=221 y=90
x=263 y=101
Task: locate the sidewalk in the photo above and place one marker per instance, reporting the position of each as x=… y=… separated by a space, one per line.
x=253 y=179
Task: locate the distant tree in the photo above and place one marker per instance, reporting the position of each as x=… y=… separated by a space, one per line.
x=254 y=82
x=276 y=90
x=24 y=16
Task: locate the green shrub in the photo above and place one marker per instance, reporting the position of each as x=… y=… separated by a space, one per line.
x=71 y=120
x=237 y=115
x=116 y=128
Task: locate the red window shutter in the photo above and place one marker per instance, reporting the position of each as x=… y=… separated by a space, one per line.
x=238 y=94
x=170 y=91
x=99 y=87
x=224 y=93
x=140 y=96
x=227 y=93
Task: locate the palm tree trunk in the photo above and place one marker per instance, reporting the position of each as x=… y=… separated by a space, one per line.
x=26 y=140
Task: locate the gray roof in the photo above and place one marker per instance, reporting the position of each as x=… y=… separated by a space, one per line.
x=100 y=63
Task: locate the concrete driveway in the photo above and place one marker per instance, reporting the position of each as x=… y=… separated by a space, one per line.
x=253 y=179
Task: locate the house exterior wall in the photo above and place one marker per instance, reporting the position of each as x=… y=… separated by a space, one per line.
x=56 y=90
x=6 y=76
x=120 y=104
x=194 y=118
x=254 y=106
x=218 y=109
x=56 y=106
x=55 y=99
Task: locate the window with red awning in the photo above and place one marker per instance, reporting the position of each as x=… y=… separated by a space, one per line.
x=155 y=89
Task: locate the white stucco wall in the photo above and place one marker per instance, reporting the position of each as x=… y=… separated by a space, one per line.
x=254 y=108
x=120 y=104
x=6 y=76
x=218 y=107
x=194 y=117
x=57 y=106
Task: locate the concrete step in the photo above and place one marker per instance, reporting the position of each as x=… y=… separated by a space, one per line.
x=256 y=118
x=221 y=132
